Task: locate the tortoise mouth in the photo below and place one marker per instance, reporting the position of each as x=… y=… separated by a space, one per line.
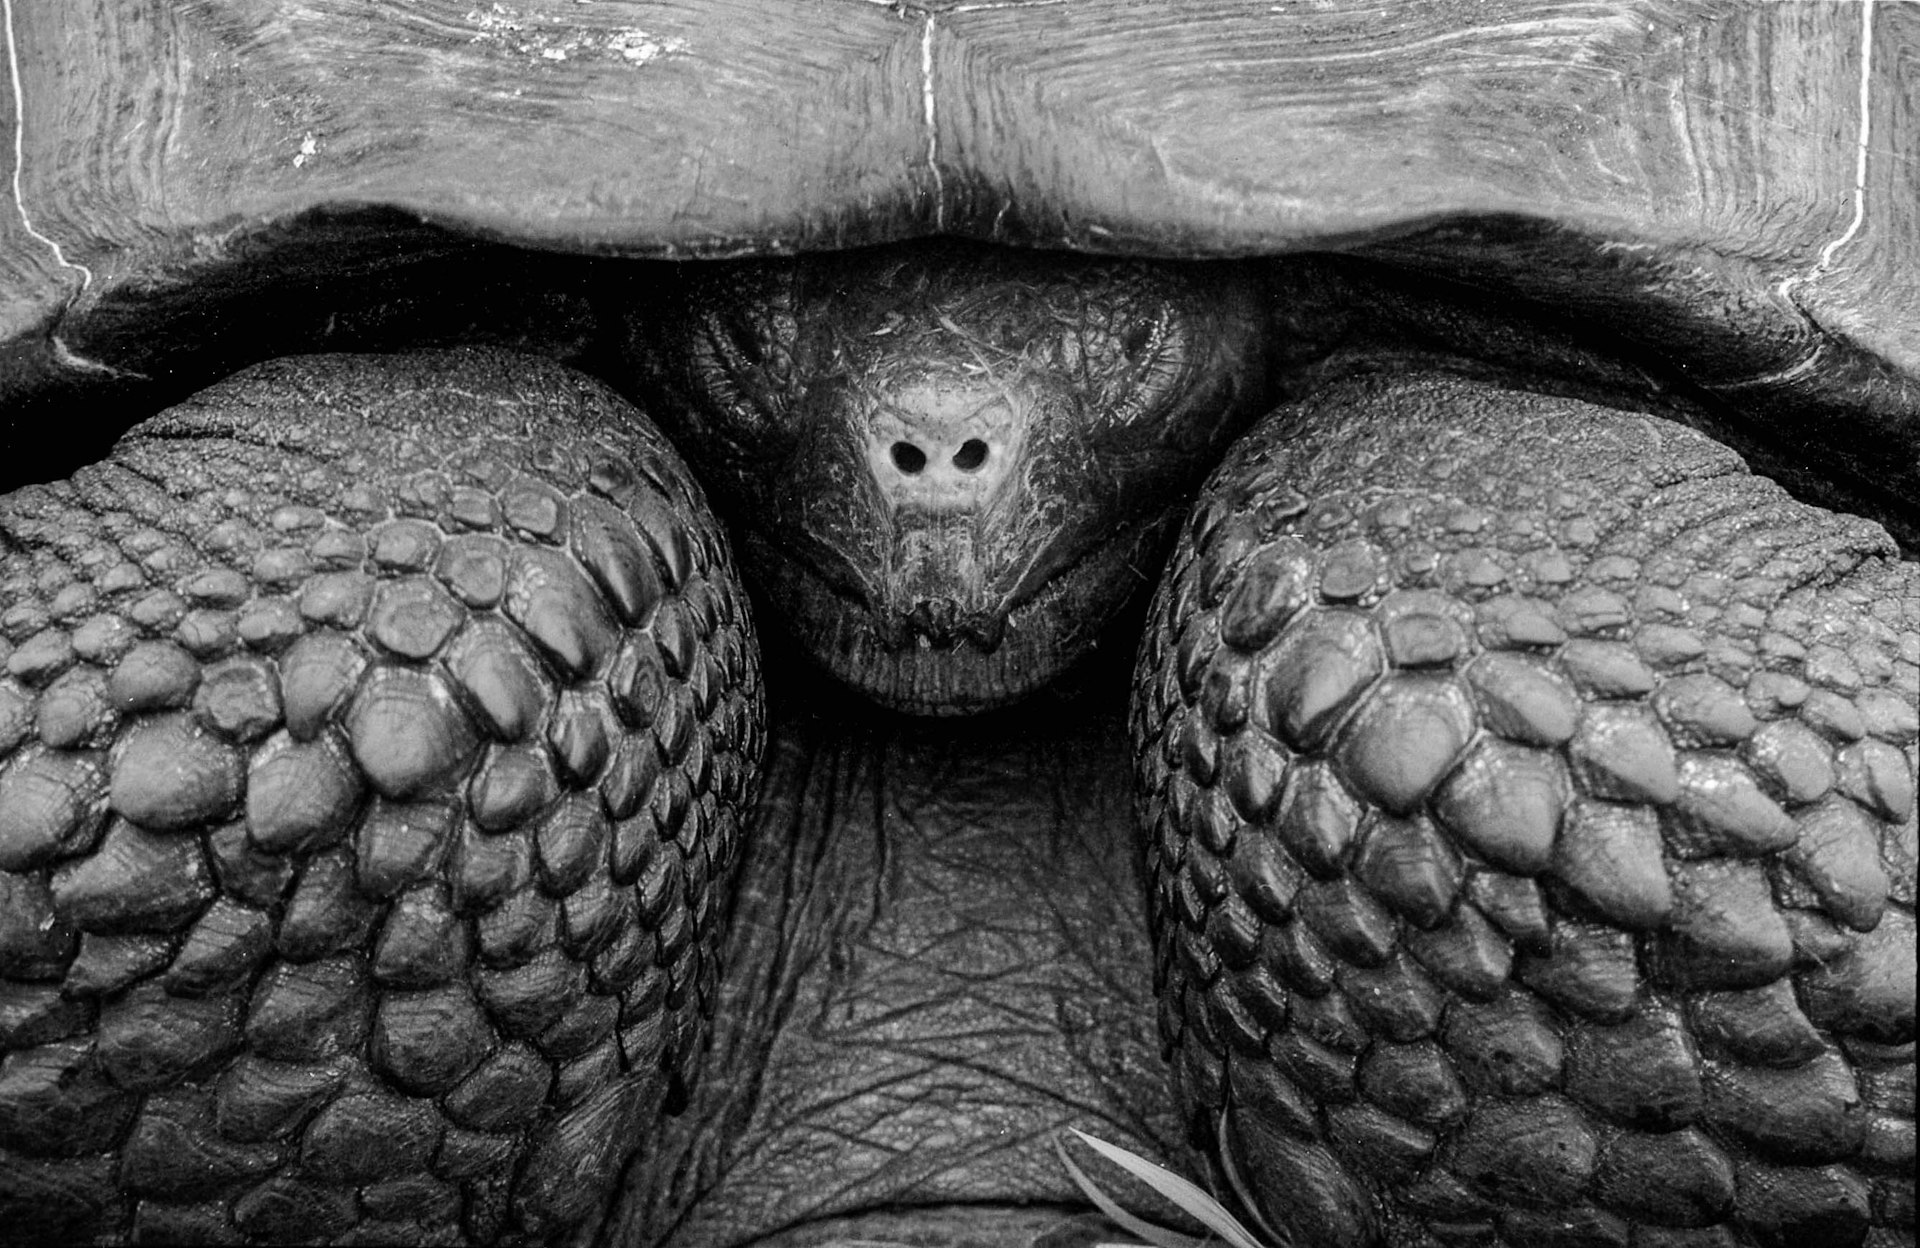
x=906 y=662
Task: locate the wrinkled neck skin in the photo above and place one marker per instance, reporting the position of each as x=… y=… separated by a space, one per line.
x=949 y=466
x=937 y=961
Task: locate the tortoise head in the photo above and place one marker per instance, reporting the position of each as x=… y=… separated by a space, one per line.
x=949 y=467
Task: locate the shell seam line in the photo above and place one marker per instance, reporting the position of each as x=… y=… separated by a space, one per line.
x=62 y=353
x=928 y=119
x=1824 y=264
x=20 y=160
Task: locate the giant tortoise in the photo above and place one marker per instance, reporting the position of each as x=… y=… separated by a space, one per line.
x=1521 y=842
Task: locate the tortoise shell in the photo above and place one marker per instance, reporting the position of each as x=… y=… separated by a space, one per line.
x=1731 y=188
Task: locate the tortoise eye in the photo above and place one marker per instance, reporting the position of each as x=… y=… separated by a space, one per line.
x=740 y=367
x=1139 y=337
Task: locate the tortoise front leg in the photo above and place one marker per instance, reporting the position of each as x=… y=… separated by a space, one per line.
x=376 y=733
x=1529 y=804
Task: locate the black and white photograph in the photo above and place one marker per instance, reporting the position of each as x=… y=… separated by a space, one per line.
x=959 y=623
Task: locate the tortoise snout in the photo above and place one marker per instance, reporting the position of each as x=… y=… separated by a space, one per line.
x=938 y=447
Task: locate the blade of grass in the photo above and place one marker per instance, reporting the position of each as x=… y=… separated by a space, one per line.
x=1188 y=1196
x=1247 y=1202
x=1159 y=1236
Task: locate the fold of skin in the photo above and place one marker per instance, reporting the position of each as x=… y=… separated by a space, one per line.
x=1528 y=799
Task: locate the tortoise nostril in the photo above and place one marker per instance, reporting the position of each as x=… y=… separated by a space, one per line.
x=908 y=458
x=972 y=453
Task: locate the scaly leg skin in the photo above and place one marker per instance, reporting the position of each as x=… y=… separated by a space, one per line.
x=375 y=735
x=1529 y=803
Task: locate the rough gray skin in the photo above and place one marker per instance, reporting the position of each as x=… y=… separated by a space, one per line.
x=1527 y=796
